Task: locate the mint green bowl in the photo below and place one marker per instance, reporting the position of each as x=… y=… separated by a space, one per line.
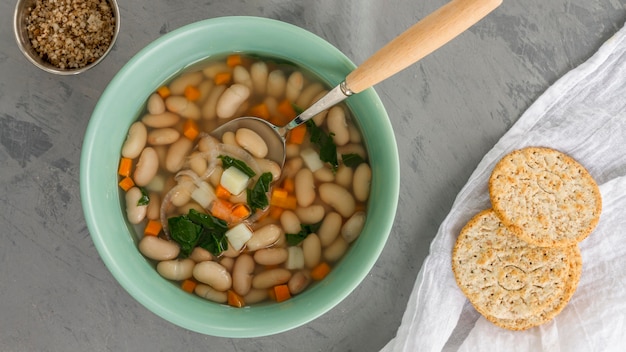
x=120 y=105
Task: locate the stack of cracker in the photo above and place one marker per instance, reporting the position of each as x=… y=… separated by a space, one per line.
x=519 y=262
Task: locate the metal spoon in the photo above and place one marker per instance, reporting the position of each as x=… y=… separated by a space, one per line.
x=419 y=40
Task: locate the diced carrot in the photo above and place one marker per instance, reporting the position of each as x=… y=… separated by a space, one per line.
x=153 y=227
x=191 y=93
x=222 y=192
x=221 y=209
x=289 y=185
x=320 y=271
x=234 y=299
x=127 y=183
x=163 y=91
x=271 y=294
x=276 y=212
x=191 y=129
x=234 y=60
x=297 y=134
x=188 y=285
x=282 y=293
x=260 y=111
x=278 y=192
x=285 y=200
x=125 y=166
x=222 y=78
x=240 y=212
x=286 y=109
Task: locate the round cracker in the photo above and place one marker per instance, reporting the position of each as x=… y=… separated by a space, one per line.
x=545 y=197
x=557 y=305
x=503 y=276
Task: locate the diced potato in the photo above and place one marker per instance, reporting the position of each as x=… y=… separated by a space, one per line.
x=203 y=195
x=295 y=260
x=311 y=159
x=238 y=236
x=234 y=180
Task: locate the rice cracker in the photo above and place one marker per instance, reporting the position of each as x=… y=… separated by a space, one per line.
x=509 y=281
x=546 y=197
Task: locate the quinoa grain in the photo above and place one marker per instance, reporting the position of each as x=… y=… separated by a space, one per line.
x=70 y=34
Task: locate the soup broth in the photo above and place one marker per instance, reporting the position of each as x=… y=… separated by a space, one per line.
x=216 y=216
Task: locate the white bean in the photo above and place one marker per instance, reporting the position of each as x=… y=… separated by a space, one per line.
x=135 y=213
x=176 y=154
x=362 y=182
x=147 y=167
x=292 y=166
x=355 y=135
x=213 y=274
x=298 y=282
x=276 y=84
x=304 y=187
x=157 y=248
x=324 y=175
x=200 y=254
x=255 y=296
x=308 y=93
x=164 y=119
x=351 y=148
x=198 y=163
x=271 y=278
x=242 y=76
x=311 y=214
x=213 y=69
x=183 y=107
x=264 y=237
x=228 y=263
x=231 y=99
x=154 y=206
x=209 y=107
x=337 y=197
x=163 y=136
x=251 y=142
x=242 y=274
x=176 y=269
x=182 y=194
x=135 y=140
x=207 y=292
x=178 y=85
x=155 y=104
x=295 y=82
x=353 y=227
x=330 y=228
x=344 y=176
x=290 y=222
x=336 y=250
x=258 y=74
x=205 y=88
x=270 y=256
x=292 y=150
x=312 y=248
x=267 y=165
x=338 y=126
x=229 y=138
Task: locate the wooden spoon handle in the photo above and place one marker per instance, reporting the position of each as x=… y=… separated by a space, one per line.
x=421 y=39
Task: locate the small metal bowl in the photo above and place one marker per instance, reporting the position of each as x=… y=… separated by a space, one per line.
x=25 y=45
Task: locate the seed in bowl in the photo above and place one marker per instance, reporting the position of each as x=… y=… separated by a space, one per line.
x=70 y=33
x=218 y=217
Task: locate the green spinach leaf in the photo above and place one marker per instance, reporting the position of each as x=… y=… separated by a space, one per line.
x=257 y=196
x=227 y=162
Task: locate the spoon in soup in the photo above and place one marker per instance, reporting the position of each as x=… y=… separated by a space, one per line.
x=421 y=39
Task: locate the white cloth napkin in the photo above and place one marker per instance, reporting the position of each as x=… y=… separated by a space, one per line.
x=584 y=115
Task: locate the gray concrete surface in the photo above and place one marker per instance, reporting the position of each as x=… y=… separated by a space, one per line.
x=447 y=112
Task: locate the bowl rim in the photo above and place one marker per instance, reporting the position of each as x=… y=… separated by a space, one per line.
x=21 y=38
x=107 y=224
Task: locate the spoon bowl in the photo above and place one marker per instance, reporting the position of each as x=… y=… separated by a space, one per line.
x=421 y=39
